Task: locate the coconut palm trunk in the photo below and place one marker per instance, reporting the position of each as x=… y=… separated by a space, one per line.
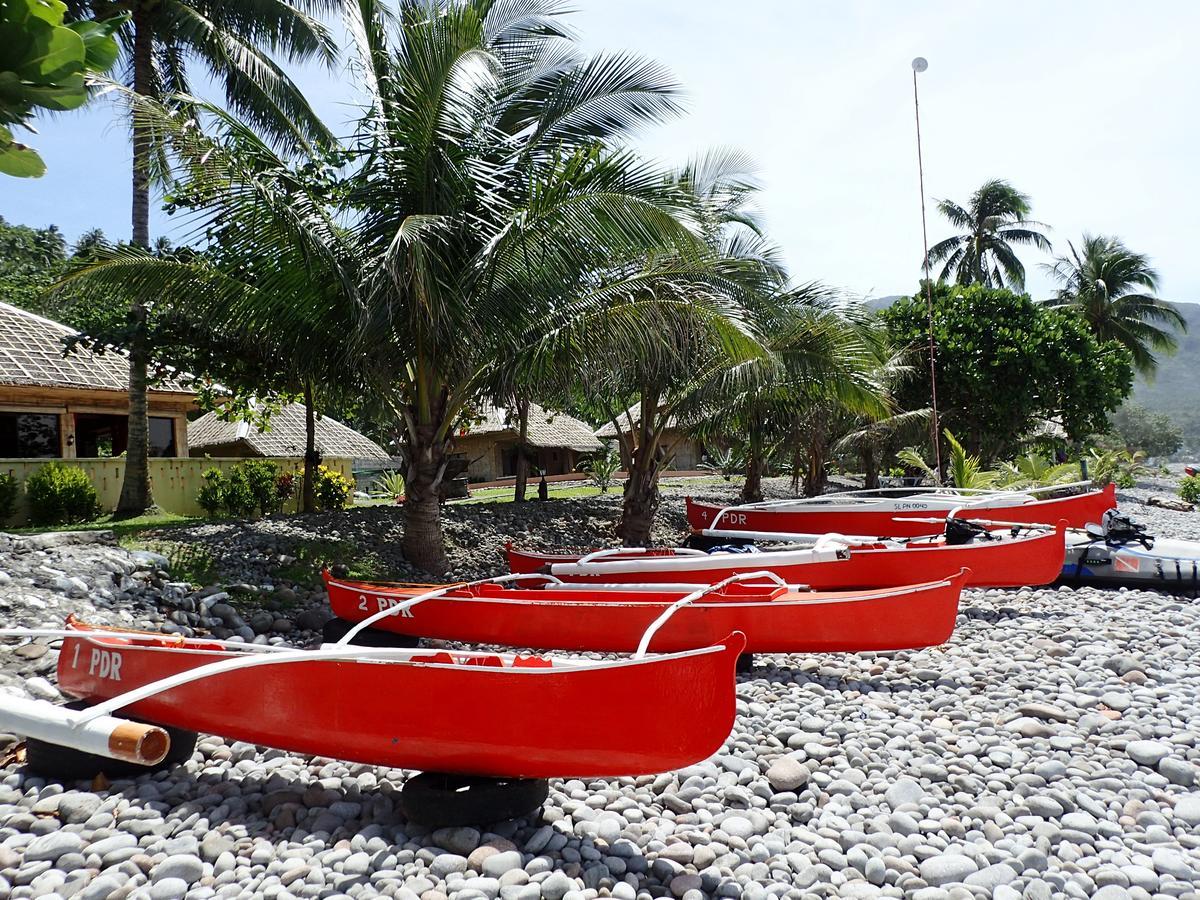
x=308 y=496
x=522 y=461
x=815 y=447
x=752 y=487
x=641 y=498
x=755 y=463
x=136 y=495
x=870 y=463
x=423 y=546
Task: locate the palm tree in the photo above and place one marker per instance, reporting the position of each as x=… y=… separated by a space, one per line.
x=1112 y=289
x=462 y=229
x=273 y=242
x=995 y=218
x=230 y=40
x=647 y=391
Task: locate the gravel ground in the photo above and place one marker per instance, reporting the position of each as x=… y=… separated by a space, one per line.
x=1050 y=749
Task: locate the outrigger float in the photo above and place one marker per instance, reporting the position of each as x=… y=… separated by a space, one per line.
x=901 y=512
x=540 y=611
x=830 y=562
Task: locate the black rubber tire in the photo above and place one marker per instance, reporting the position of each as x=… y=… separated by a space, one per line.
x=438 y=800
x=336 y=628
x=66 y=764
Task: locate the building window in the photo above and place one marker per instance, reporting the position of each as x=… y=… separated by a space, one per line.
x=29 y=436
x=162 y=436
x=102 y=436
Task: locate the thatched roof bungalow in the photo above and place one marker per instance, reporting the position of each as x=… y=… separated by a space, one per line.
x=77 y=405
x=556 y=441
x=687 y=451
x=284 y=436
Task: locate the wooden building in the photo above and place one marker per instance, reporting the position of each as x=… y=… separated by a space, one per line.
x=75 y=405
x=556 y=443
x=686 y=451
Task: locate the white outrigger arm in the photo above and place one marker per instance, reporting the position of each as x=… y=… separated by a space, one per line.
x=679 y=604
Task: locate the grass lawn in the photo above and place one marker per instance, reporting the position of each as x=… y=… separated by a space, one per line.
x=122 y=528
x=505 y=494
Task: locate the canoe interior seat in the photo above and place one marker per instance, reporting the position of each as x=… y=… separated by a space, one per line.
x=745 y=590
x=490 y=661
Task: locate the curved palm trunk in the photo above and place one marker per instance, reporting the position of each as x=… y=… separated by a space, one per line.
x=136 y=497
x=312 y=459
x=522 y=461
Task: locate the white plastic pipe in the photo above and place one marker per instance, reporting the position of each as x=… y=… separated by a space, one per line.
x=108 y=736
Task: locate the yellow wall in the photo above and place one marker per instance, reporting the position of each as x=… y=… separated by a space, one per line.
x=174 y=480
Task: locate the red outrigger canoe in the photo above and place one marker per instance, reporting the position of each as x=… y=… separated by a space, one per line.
x=775 y=618
x=459 y=712
x=1031 y=558
x=898 y=514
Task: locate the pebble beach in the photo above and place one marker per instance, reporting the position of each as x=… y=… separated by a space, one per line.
x=1050 y=749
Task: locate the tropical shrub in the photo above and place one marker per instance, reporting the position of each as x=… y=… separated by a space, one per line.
x=255 y=485
x=389 y=484
x=240 y=499
x=1005 y=365
x=211 y=496
x=61 y=494
x=1189 y=489
x=9 y=490
x=1032 y=470
x=262 y=481
x=602 y=467
x=965 y=469
x=285 y=488
x=332 y=488
x=724 y=460
x=1118 y=466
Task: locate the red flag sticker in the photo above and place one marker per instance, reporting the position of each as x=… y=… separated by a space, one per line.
x=1125 y=562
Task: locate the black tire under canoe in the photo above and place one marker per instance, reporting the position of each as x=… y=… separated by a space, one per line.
x=336 y=629
x=438 y=800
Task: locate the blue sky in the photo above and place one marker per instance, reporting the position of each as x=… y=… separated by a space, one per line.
x=1089 y=107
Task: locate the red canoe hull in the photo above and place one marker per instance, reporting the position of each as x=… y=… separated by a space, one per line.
x=485 y=720
x=919 y=615
x=1077 y=511
x=1025 y=561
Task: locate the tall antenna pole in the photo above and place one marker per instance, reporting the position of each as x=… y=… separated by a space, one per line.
x=920 y=65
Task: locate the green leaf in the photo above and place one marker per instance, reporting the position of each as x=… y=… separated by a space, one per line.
x=20 y=161
x=100 y=47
